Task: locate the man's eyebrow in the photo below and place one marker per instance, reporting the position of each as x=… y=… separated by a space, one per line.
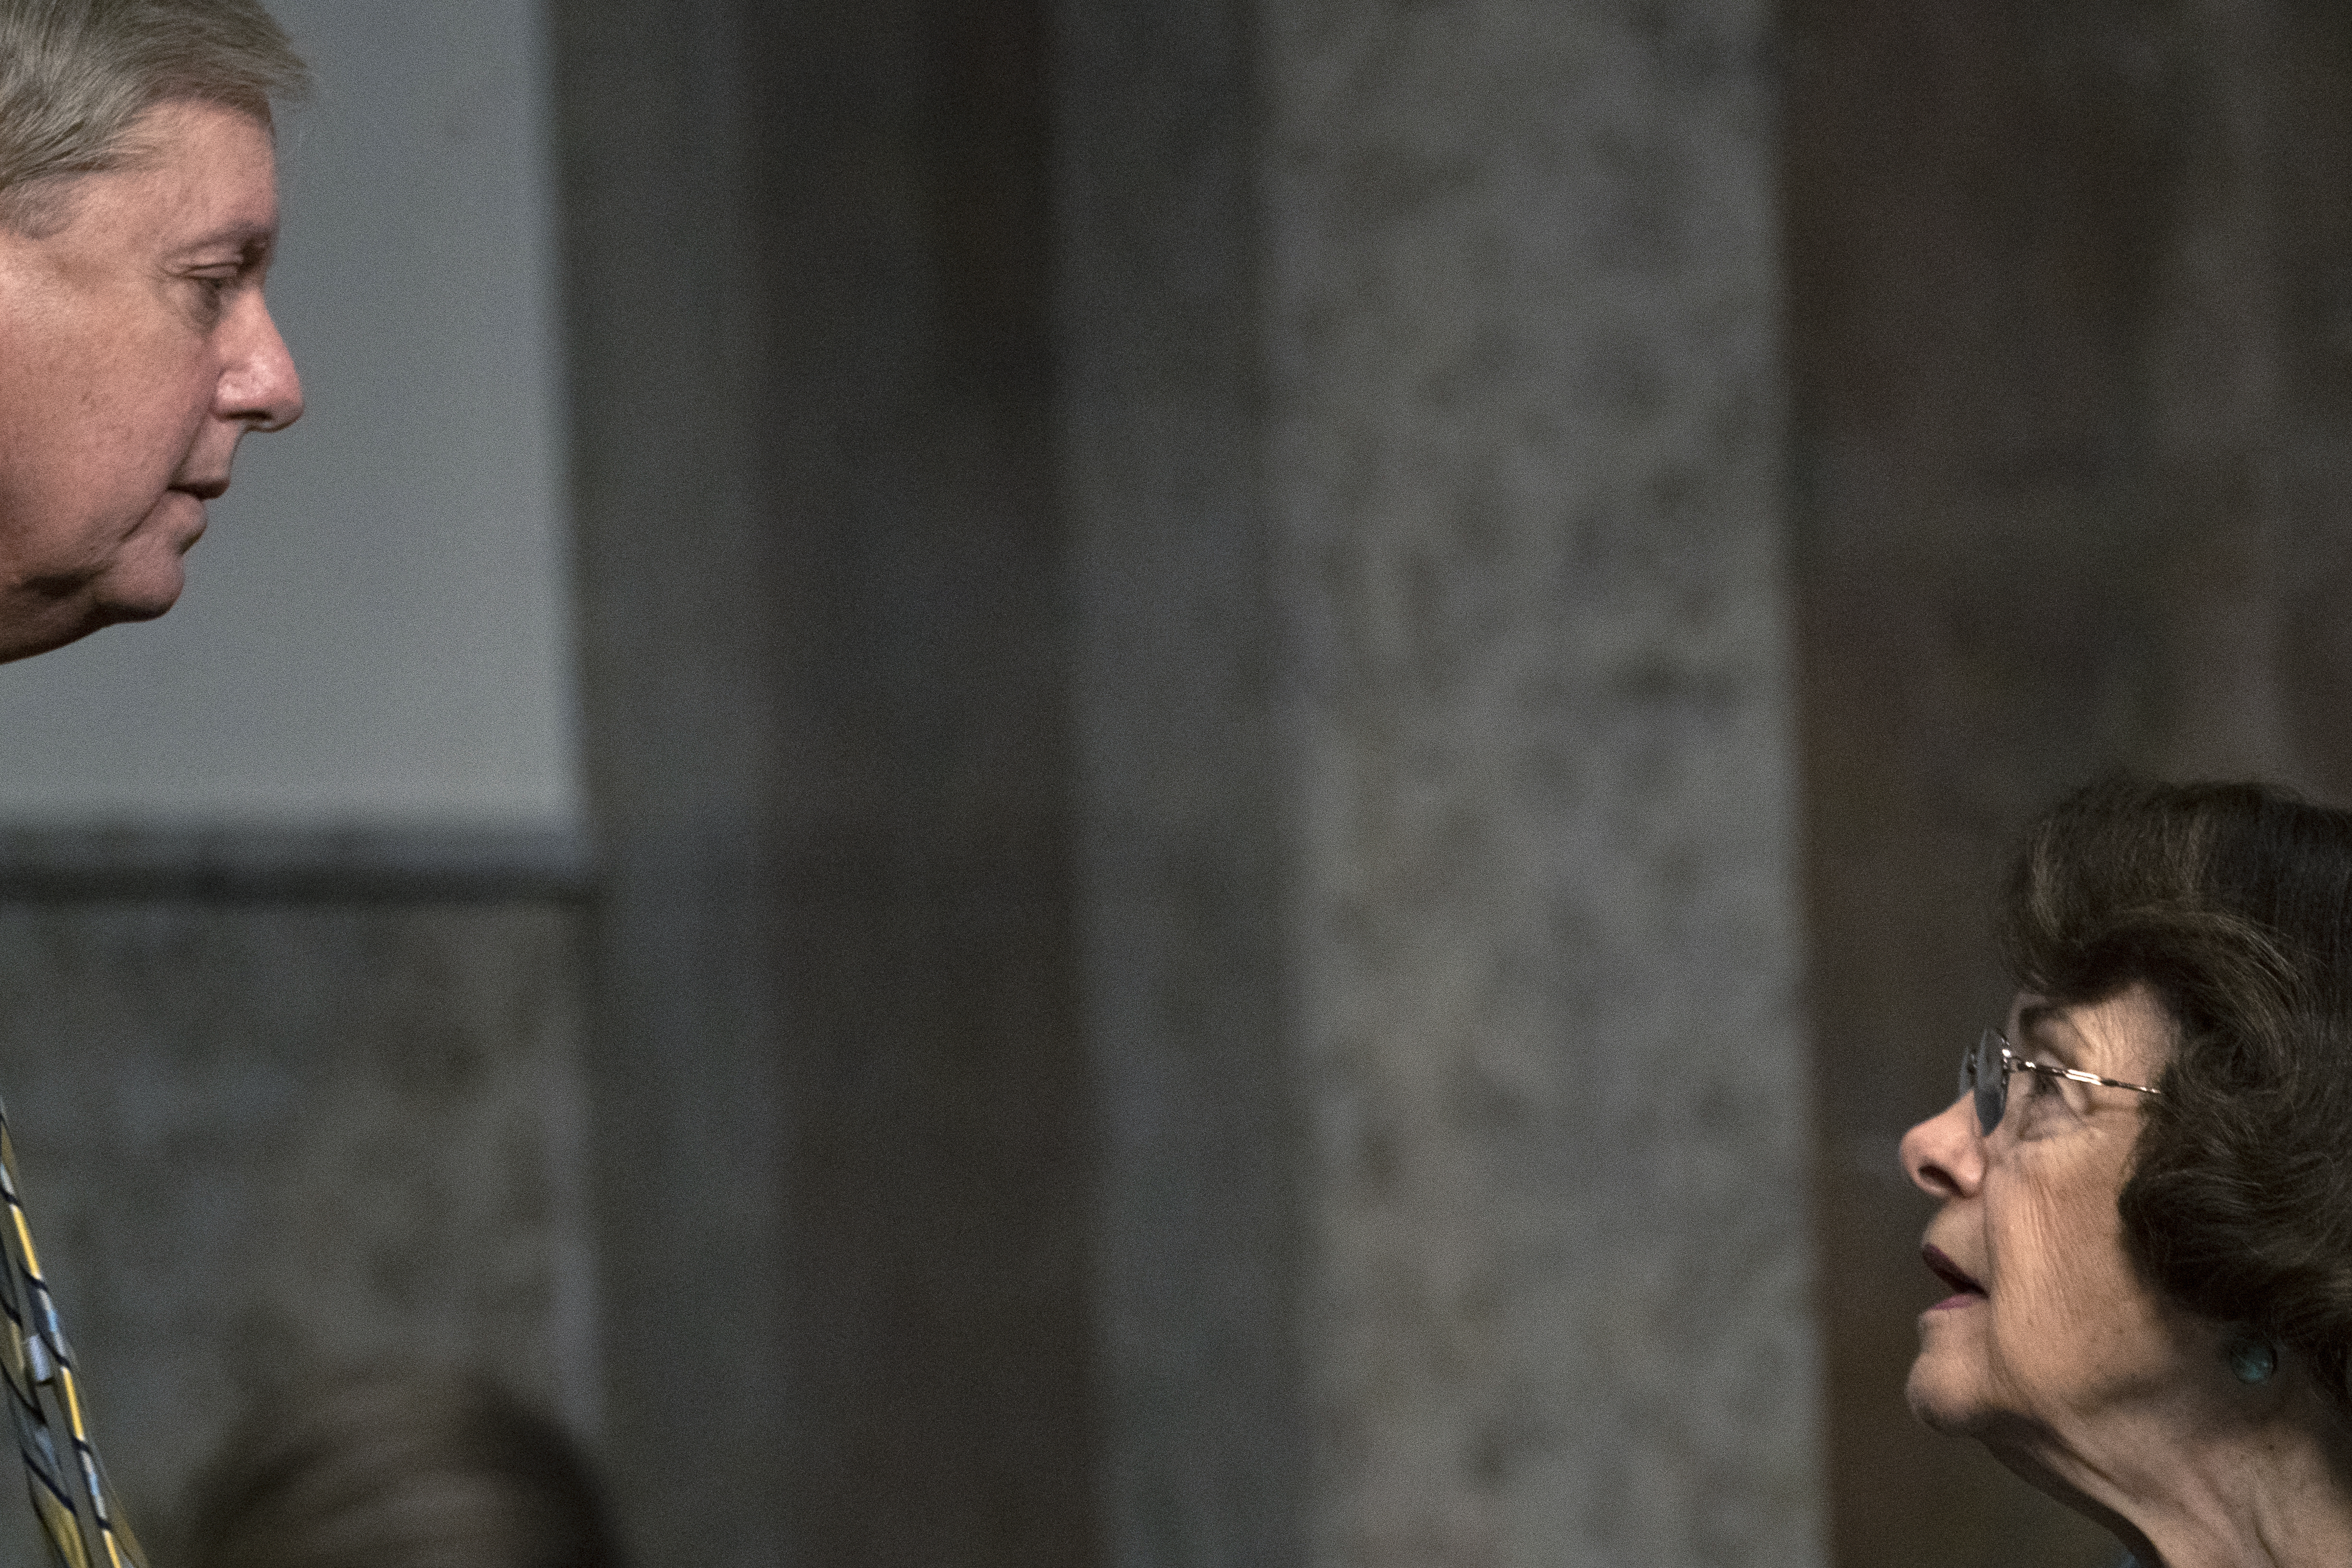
x=249 y=240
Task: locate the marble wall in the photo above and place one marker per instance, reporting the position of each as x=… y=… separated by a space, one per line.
x=259 y=1134
x=1423 y=425
x=1525 y=463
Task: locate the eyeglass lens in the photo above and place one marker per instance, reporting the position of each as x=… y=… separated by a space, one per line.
x=1984 y=1074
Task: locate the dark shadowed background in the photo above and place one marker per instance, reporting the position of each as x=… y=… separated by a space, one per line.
x=2071 y=338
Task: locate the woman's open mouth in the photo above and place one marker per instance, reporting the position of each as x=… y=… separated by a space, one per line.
x=1964 y=1289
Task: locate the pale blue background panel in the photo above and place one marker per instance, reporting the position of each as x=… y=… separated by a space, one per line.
x=374 y=631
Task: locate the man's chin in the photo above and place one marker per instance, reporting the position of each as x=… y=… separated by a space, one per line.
x=143 y=587
x=140 y=607
x=37 y=623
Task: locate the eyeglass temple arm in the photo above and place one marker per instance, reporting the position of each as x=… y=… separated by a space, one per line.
x=2079 y=1076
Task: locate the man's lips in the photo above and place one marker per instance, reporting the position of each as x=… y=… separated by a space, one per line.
x=1964 y=1289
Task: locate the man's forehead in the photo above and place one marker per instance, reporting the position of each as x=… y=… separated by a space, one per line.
x=201 y=177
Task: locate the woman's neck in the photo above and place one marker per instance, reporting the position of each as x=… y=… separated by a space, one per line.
x=2259 y=1478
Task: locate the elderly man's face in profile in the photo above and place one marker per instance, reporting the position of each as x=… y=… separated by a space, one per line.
x=135 y=351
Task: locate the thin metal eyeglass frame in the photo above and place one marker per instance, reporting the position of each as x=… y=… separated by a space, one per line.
x=1990 y=1093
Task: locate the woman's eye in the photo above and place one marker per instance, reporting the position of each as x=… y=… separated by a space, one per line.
x=2045 y=1106
x=2032 y=1091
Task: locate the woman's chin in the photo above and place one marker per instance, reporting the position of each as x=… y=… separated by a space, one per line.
x=1943 y=1397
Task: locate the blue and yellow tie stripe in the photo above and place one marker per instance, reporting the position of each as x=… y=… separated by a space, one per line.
x=75 y=1505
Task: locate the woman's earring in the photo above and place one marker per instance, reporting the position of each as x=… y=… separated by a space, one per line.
x=2252 y=1358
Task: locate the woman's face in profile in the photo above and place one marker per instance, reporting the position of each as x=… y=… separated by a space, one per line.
x=2047 y=1325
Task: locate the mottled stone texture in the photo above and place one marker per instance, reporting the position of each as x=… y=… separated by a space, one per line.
x=256 y=1134
x=2074 y=428
x=1526 y=476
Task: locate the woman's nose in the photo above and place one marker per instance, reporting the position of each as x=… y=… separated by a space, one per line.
x=1943 y=1155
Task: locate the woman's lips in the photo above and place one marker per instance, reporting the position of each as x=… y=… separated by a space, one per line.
x=1964 y=1289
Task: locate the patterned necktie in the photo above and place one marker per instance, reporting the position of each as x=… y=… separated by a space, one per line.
x=75 y=1506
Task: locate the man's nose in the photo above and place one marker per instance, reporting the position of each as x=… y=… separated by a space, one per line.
x=259 y=387
x=1943 y=1155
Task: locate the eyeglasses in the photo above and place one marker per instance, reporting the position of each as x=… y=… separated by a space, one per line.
x=1991 y=1088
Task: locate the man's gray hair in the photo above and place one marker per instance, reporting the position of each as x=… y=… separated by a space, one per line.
x=75 y=75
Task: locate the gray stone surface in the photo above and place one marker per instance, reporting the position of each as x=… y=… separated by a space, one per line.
x=1439 y=841
x=256 y=1136
x=1527 y=416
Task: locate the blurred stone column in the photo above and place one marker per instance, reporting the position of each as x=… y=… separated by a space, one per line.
x=1526 y=486
x=1198 y=1230
x=676 y=559
x=1423 y=419
x=840 y=1092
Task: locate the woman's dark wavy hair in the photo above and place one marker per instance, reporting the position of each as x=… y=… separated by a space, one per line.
x=2233 y=901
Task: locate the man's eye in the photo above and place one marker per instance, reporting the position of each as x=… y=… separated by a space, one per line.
x=213 y=290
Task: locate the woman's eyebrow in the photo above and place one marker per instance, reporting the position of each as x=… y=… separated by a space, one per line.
x=2035 y=1037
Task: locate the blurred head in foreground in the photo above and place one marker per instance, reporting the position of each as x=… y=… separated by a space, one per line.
x=2145 y=1183
x=397 y=1470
